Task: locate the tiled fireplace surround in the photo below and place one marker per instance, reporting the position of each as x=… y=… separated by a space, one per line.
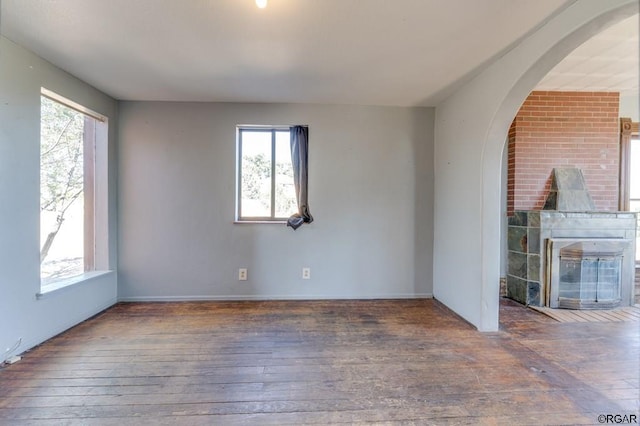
x=529 y=232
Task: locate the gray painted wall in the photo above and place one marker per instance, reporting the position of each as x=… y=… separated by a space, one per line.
x=22 y=316
x=370 y=185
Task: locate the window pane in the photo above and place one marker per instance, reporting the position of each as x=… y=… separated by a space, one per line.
x=61 y=191
x=634 y=187
x=634 y=166
x=285 y=190
x=256 y=174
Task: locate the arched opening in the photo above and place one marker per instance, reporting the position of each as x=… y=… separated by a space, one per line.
x=572 y=119
x=496 y=142
x=470 y=132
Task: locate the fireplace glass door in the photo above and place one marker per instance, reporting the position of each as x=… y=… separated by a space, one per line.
x=589 y=281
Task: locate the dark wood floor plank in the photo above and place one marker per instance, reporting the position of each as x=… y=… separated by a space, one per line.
x=323 y=362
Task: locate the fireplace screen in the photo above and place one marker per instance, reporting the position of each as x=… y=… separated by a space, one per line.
x=586 y=273
x=589 y=281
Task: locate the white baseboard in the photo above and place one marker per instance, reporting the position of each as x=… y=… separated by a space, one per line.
x=270 y=297
x=31 y=343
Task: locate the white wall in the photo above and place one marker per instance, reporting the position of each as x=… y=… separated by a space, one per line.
x=22 y=315
x=470 y=131
x=370 y=186
x=629 y=107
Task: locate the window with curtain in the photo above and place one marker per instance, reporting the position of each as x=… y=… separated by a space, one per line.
x=266 y=190
x=272 y=175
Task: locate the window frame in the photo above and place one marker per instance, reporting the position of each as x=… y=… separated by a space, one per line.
x=635 y=139
x=95 y=194
x=273 y=129
x=628 y=132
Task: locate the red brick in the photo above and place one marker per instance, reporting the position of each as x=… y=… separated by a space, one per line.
x=554 y=129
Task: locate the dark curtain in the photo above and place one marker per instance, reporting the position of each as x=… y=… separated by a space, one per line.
x=300 y=161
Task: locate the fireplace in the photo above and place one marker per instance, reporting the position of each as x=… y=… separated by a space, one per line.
x=568 y=255
x=586 y=274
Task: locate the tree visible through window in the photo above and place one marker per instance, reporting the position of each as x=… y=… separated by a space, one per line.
x=67 y=140
x=265 y=175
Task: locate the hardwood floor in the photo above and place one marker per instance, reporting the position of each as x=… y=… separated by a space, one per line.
x=323 y=362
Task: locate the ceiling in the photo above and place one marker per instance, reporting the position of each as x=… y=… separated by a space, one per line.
x=608 y=62
x=373 y=52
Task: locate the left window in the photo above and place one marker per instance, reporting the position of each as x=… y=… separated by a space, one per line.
x=68 y=137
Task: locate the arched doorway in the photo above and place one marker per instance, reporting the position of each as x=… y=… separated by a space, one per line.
x=471 y=127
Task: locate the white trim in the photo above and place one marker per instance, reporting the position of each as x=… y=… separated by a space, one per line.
x=48 y=290
x=276 y=221
x=273 y=298
x=73 y=105
x=286 y=127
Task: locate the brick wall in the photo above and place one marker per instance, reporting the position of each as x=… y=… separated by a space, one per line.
x=564 y=129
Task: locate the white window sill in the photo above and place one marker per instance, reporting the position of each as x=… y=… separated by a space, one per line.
x=276 y=222
x=68 y=283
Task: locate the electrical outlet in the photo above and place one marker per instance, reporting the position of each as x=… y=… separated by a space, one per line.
x=306 y=273
x=242 y=274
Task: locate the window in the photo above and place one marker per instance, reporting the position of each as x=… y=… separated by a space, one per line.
x=265 y=175
x=630 y=172
x=634 y=186
x=69 y=139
